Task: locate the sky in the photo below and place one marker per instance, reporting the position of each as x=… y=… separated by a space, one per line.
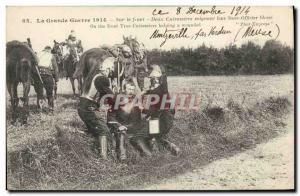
x=43 y=33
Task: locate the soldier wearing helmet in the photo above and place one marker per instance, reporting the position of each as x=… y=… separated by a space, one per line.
x=159 y=86
x=74 y=45
x=125 y=58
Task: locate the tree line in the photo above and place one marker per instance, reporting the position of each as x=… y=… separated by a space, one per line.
x=272 y=58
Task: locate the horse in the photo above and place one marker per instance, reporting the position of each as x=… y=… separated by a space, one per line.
x=139 y=57
x=124 y=67
x=138 y=49
x=91 y=61
x=93 y=58
x=68 y=59
x=21 y=62
x=57 y=51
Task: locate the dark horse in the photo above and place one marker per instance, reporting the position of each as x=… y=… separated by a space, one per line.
x=57 y=51
x=139 y=57
x=67 y=63
x=93 y=57
x=21 y=63
x=138 y=50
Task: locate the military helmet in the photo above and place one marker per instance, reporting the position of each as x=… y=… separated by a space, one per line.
x=155 y=73
x=155 y=67
x=72 y=34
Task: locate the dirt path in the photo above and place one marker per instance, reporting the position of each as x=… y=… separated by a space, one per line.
x=268 y=166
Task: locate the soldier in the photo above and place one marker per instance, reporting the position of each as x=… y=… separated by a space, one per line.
x=158 y=86
x=74 y=45
x=126 y=60
x=141 y=70
x=49 y=75
x=124 y=57
x=140 y=60
x=127 y=121
x=96 y=86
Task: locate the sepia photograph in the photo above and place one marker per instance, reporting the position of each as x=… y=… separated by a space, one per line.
x=150 y=98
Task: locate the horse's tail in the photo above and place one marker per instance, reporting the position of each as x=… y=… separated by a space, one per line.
x=80 y=66
x=25 y=70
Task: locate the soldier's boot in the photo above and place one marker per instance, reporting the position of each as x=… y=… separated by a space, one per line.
x=143 y=148
x=170 y=147
x=122 y=149
x=103 y=146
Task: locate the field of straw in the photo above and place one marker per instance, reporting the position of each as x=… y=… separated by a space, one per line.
x=236 y=113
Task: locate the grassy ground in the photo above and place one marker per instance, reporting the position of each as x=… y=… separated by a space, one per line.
x=269 y=165
x=236 y=114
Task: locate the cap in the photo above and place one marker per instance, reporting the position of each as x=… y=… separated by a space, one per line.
x=47 y=48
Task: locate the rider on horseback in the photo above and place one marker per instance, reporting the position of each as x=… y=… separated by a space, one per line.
x=71 y=58
x=74 y=45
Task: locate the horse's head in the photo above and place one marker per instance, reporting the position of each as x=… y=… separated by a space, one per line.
x=57 y=48
x=60 y=50
x=137 y=48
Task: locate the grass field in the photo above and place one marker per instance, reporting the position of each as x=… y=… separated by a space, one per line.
x=237 y=112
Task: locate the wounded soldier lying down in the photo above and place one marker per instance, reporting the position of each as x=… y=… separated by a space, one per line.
x=126 y=120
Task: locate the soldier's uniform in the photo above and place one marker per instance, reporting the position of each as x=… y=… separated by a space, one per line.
x=74 y=45
x=123 y=55
x=165 y=115
x=140 y=62
x=95 y=88
x=141 y=72
x=128 y=65
x=49 y=75
x=129 y=115
x=75 y=49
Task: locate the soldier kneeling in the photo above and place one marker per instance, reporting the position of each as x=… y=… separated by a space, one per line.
x=90 y=114
x=166 y=114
